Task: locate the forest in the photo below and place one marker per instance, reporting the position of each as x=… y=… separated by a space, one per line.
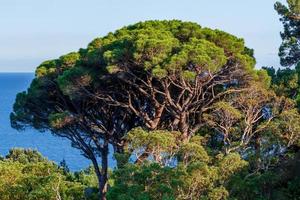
x=183 y=109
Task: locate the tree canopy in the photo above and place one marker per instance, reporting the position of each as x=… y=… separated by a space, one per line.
x=155 y=74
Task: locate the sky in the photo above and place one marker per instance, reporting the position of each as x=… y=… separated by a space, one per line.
x=33 y=31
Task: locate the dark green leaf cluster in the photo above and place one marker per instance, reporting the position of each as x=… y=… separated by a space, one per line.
x=286 y=82
x=289 y=50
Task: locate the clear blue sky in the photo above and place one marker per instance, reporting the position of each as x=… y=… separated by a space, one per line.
x=36 y=30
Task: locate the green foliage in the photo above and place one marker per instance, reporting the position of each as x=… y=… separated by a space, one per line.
x=218 y=193
x=59 y=120
x=279 y=182
x=294 y=6
x=264 y=78
x=290 y=17
x=46 y=68
x=287 y=127
x=69 y=60
x=71 y=81
x=198 y=52
x=190 y=152
x=24 y=156
x=159 y=72
x=286 y=82
x=152 y=181
x=26 y=175
x=160 y=140
x=195 y=174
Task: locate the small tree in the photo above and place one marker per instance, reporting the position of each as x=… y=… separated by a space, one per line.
x=289 y=50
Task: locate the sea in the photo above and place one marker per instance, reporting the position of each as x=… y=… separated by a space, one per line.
x=52 y=147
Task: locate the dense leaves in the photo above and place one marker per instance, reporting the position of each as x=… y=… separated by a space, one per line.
x=26 y=175
x=286 y=82
x=194 y=175
x=290 y=17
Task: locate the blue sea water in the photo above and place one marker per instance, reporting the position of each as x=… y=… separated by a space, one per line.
x=52 y=147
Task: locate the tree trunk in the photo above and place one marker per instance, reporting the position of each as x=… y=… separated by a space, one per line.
x=104 y=171
x=102 y=174
x=184 y=127
x=99 y=176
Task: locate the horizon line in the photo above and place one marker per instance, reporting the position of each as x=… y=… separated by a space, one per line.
x=2 y=72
